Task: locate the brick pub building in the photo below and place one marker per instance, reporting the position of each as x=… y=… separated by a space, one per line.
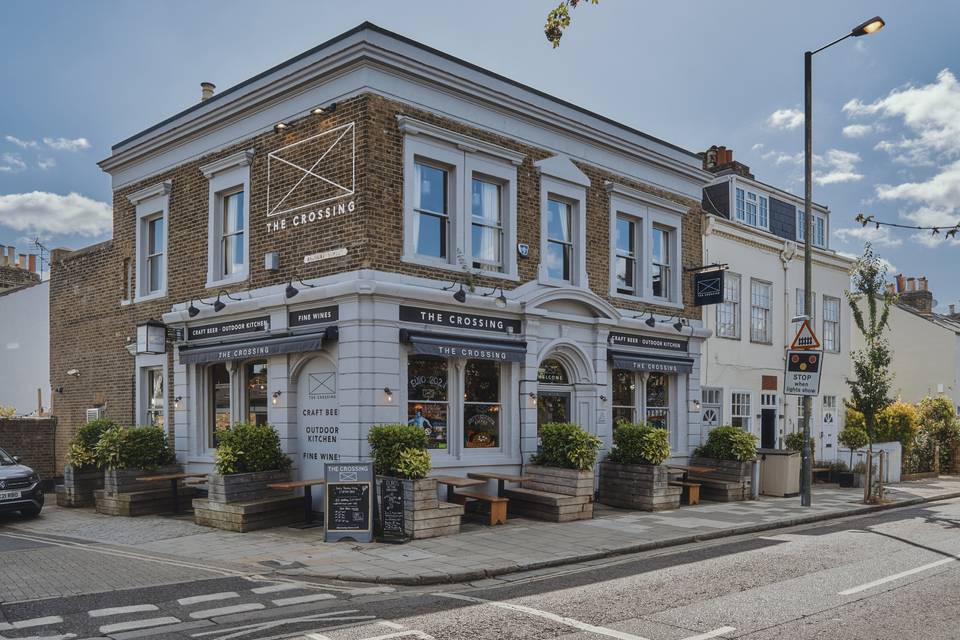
x=375 y=231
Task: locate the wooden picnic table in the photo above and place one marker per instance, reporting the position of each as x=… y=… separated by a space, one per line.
x=307 y=486
x=174 y=479
x=501 y=479
x=456 y=482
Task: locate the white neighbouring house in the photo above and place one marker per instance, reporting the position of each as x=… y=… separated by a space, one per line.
x=756 y=230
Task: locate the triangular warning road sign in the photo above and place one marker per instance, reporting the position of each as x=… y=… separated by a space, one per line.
x=805 y=338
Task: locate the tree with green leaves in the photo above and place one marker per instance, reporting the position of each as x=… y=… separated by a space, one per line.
x=559 y=19
x=870 y=386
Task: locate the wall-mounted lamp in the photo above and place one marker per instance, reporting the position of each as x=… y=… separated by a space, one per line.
x=388 y=392
x=73 y=372
x=322 y=111
x=603 y=398
x=220 y=305
x=177 y=401
x=460 y=295
x=291 y=290
x=280 y=126
x=276 y=397
x=695 y=405
x=679 y=324
x=58 y=389
x=650 y=322
x=193 y=310
x=532 y=395
x=500 y=300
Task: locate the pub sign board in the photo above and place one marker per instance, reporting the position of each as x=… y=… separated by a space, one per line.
x=390 y=516
x=708 y=287
x=316 y=315
x=348 y=512
x=457 y=320
x=228 y=328
x=647 y=342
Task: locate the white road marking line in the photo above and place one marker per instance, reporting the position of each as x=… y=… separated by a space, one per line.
x=896 y=576
x=116 y=611
x=285 y=602
x=224 y=611
x=420 y=635
x=208 y=597
x=391 y=625
x=32 y=622
x=65 y=636
x=711 y=634
x=317 y=636
x=130 y=625
x=245 y=629
x=570 y=622
x=283 y=586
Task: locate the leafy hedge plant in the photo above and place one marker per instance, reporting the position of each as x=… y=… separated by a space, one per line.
x=399 y=450
x=563 y=444
x=639 y=443
x=729 y=443
x=81 y=454
x=248 y=448
x=133 y=448
x=794 y=441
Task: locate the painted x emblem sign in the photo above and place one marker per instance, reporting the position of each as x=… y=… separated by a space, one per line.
x=323 y=383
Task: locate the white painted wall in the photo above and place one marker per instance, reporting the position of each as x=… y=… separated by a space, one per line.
x=25 y=348
x=738 y=365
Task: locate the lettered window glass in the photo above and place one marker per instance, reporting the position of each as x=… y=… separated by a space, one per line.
x=559 y=240
x=761 y=298
x=155 y=397
x=658 y=400
x=626 y=255
x=624 y=396
x=427 y=401
x=430 y=232
x=256 y=381
x=740 y=410
x=155 y=262
x=552 y=372
x=660 y=267
x=218 y=389
x=487 y=226
x=728 y=311
x=233 y=228
x=481 y=404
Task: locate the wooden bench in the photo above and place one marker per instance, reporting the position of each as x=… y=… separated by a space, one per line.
x=691 y=491
x=456 y=482
x=545 y=505
x=501 y=479
x=174 y=479
x=721 y=490
x=498 y=505
x=821 y=471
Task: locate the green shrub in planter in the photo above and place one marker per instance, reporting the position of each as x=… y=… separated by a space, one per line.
x=389 y=441
x=794 y=441
x=729 y=443
x=133 y=448
x=81 y=452
x=413 y=464
x=639 y=444
x=566 y=445
x=853 y=437
x=248 y=448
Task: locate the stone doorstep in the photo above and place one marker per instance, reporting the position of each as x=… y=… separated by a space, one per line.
x=545 y=497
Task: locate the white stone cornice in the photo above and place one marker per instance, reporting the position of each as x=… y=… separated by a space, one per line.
x=238 y=159
x=614 y=188
x=562 y=168
x=159 y=189
x=411 y=126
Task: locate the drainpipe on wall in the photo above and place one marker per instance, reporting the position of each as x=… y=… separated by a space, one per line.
x=786 y=256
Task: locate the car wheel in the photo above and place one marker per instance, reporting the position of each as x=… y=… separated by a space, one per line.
x=33 y=512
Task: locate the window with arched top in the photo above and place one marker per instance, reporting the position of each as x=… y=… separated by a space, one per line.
x=552 y=372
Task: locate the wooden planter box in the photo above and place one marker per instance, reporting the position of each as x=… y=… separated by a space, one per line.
x=731 y=481
x=78 y=487
x=554 y=494
x=124 y=495
x=637 y=486
x=424 y=515
x=243 y=502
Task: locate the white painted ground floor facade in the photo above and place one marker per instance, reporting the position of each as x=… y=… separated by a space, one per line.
x=367 y=348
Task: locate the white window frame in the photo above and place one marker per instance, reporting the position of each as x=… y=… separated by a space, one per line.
x=728 y=279
x=576 y=196
x=143 y=364
x=648 y=212
x=748 y=416
x=150 y=203
x=463 y=157
x=635 y=256
x=767 y=337
x=640 y=407
x=762 y=204
x=712 y=398
x=818 y=219
x=225 y=177
x=835 y=348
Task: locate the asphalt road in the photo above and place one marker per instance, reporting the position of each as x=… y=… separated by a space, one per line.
x=891 y=575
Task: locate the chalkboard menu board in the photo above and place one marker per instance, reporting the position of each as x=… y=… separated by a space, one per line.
x=391 y=507
x=349 y=502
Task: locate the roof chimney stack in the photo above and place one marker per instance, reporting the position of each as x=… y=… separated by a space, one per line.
x=901 y=283
x=916 y=294
x=206 y=91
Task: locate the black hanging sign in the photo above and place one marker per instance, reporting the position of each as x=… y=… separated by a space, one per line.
x=229 y=328
x=708 y=287
x=316 y=315
x=349 y=502
x=390 y=497
x=458 y=320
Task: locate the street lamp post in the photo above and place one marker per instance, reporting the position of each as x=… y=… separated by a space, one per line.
x=870 y=26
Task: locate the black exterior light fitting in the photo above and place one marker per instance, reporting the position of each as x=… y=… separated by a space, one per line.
x=322 y=111
x=219 y=305
x=193 y=310
x=500 y=300
x=291 y=290
x=280 y=127
x=460 y=295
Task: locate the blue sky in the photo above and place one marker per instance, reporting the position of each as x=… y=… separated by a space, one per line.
x=80 y=76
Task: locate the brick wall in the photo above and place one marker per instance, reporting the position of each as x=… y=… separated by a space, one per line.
x=11 y=276
x=33 y=440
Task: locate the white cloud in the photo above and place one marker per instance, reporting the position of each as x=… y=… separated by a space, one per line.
x=881 y=237
x=757 y=147
x=883 y=261
x=67 y=144
x=40 y=212
x=46 y=163
x=858 y=130
x=836 y=166
x=11 y=163
x=785 y=119
x=23 y=144
x=779 y=157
